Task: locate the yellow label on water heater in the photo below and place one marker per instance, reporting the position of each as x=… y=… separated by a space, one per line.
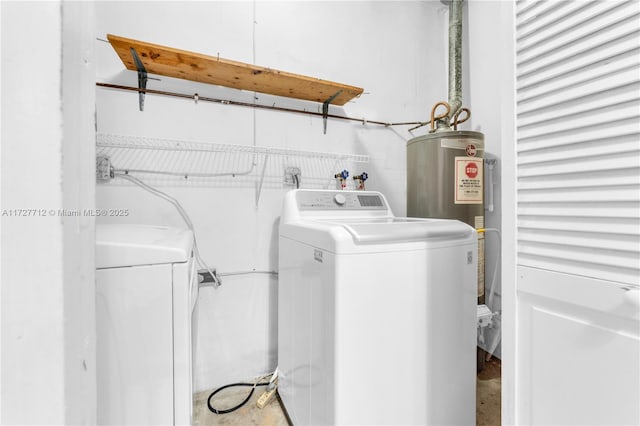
x=468 y=181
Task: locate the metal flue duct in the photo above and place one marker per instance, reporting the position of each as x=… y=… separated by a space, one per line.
x=445 y=166
x=455 y=57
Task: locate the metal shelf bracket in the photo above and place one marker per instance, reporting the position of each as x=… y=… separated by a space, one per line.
x=142 y=77
x=325 y=110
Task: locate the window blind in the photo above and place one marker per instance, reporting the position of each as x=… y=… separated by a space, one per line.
x=578 y=137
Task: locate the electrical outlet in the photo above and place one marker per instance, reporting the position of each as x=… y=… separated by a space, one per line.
x=484 y=316
x=290 y=176
x=265 y=398
x=103 y=168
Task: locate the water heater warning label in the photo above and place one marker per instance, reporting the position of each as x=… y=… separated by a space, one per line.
x=468 y=180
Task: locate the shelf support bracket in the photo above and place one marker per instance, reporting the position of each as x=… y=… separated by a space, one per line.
x=142 y=77
x=325 y=110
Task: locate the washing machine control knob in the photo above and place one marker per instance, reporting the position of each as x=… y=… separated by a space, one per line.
x=340 y=199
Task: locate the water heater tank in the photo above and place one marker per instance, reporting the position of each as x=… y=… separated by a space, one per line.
x=445 y=180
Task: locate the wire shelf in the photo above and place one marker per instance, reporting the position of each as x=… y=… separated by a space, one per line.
x=171 y=162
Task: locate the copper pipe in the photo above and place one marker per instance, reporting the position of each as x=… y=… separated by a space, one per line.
x=457 y=114
x=441 y=116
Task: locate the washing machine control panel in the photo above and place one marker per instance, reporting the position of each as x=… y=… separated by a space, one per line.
x=339 y=200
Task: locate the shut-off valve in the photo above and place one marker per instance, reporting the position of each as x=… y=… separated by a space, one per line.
x=341 y=179
x=360 y=180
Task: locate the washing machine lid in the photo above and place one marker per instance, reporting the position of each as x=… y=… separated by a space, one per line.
x=398 y=229
x=134 y=245
x=375 y=235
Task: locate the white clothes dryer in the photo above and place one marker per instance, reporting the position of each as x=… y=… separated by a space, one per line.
x=146 y=293
x=376 y=314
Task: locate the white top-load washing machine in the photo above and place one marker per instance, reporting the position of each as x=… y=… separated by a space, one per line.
x=145 y=297
x=376 y=314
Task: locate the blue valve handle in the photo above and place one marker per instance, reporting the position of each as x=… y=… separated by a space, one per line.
x=364 y=176
x=343 y=174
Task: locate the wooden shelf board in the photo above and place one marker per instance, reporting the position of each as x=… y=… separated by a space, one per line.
x=187 y=65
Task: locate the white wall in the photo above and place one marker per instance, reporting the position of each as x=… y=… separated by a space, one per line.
x=78 y=194
x=48 y=336
x=508 y=209
x=487 y=61
x=492 y=96
x=490 y=91
x=392 y=49
x=28 y=330
x=1 y=232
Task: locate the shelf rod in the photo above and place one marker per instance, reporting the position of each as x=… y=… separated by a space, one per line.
x=246 y=104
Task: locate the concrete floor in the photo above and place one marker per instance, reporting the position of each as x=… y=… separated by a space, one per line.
x=488 y=385
x=271 y=415
x=488 y=394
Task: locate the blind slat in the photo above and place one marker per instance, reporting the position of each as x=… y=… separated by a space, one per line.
x=583 y=76
x=607 y=99
x=581 y=224
x=547 y=15
x=604 y=194
x=577 y=151
x=590 y=165
x=583 y=95
x=604 y=211
x=576 y=121
x=586 y=50
x=604 y=132
x=584 y=179
x=576 y=61
x=586 y=255
x=528 y=8
x=580 y=238
x=591 y=19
